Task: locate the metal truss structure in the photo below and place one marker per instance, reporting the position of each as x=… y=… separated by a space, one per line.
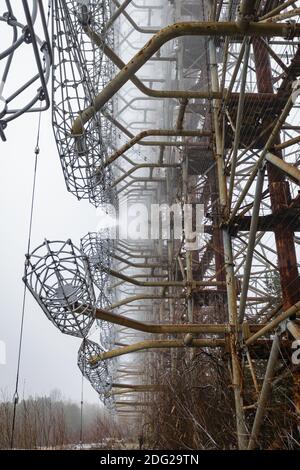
x=187 y=102
x=23 y=97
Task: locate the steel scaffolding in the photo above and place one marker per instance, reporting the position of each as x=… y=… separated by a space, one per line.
x=179 y=103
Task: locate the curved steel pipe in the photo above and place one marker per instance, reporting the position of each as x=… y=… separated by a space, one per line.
x=166 y=34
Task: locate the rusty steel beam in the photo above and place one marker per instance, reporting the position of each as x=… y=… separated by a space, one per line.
x=283 y=16
x=172 y=32
x=181 y=113
x=150 y=92
x=199 y=328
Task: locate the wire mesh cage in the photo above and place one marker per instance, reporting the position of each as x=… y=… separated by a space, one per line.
x=109 y=402
x=58 y=276
x=80 y=71
x=107 y=334
x=97 y=373
x=97 y=247
x=29 y=91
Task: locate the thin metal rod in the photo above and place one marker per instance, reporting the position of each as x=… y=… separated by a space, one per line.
x=116 y=14
x=251 y=243
x=287 y=168
x=264 y=394
x=239 y=121
x=143 y=165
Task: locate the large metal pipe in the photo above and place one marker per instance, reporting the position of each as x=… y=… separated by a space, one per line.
x=179 y=94
x=166 y=34
x=133 y=23
x=154 y=328
x=157 y=344
x=160 y=329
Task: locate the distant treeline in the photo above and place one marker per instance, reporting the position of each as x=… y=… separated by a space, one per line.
x=53 y=422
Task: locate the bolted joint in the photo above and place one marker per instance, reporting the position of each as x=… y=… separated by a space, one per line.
x=188 y=339
x=291 y=30
x=27 y=35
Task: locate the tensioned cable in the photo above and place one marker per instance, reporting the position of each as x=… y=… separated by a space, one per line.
x=16 y=395
x=81 y=411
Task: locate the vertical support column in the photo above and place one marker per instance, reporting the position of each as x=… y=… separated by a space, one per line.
x=229 y=268
x=264 y=394
x=279 y=193
x=188 y=255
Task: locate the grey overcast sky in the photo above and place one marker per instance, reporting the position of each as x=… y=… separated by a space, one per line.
x=49 y=358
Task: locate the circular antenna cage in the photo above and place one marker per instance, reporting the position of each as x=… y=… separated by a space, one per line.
x=107 y=334
x=58 y=276
x=97 y=248
x=96 y=372
x=80 y=72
